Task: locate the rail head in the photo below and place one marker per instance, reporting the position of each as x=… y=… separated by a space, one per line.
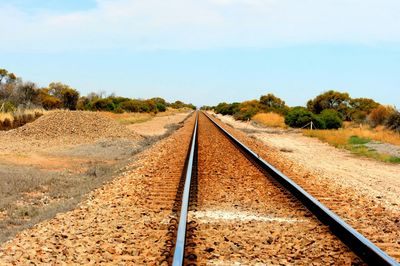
x=179 y=253
x=359 y=244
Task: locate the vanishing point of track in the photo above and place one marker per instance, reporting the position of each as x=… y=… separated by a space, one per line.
x=234 y=207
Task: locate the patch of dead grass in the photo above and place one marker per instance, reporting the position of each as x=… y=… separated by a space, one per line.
x=340 y=137
x=20 y=117
x=270 y=120
x=134 y=118
x=349 y=138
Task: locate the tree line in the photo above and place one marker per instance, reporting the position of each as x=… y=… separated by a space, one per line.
x=327 y=111
x=16 y=93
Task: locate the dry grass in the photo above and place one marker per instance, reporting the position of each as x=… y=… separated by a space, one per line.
x=133 y=118
x=19 y=118
x=19 y=113
x=270 y=119
x=340 y=137
x=353 y=139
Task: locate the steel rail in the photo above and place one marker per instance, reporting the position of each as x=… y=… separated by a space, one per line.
x=179 y=252
x=359 y=244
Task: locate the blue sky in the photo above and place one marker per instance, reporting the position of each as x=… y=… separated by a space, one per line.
x=207 y=51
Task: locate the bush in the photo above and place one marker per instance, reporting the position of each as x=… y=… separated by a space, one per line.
x=227 y=108
x=83 y=103
x=180 y=104
x=118 y=110
x=331 y=119
x=299 y=117
x=131 y=106
x=393 y=121
x=161 y=107
x=247 y=110
x=50 y=102
x=271 y=103
x=150 y=106
x=380 y=115
x=330 y=100
x=139 y=106
x=103 y=105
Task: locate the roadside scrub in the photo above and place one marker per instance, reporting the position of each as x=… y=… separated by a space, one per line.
x=134 y=118
x=270 y=119
x=19 y=117
x=356 y=140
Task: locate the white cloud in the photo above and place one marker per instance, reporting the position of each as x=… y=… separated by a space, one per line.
x=194 y=24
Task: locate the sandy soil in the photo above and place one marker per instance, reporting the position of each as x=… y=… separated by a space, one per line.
x=122 y=223
x=61 y=157
x=158 y=125
x=377 y=180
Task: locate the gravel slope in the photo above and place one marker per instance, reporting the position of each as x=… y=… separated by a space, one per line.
x=63 y=128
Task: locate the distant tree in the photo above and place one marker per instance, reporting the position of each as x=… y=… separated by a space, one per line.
x=103 y=104
x=25 y=93
x=150 y=106
x=227 y=108
x=67 y=95
x=82 y=103
x=360 y=108
x=380 y=115
x=46 y=100
x=271 y=103
x=6 y=76
x=159 y=100
x=177 y=104
x=393 y=121
x=93 y=95
x=331 y=100
x=131 y=106
x=330 y=119
x=70 y=98
x=3 y=74
x=161 y=104
x=247 y=109
x=298 y=117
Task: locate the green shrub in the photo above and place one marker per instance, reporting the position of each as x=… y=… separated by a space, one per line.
x=331 y=119
x=105 y=104
x=161 y=107
x=299 y=117
x=118 y=110
x=227 y=108
x=131 y=106
x=150 y=106
x=355 y=140
x=331 y=100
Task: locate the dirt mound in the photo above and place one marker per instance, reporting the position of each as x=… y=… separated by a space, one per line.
x=76 y=125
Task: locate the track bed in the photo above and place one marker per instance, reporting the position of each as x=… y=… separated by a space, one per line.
x=244 y=217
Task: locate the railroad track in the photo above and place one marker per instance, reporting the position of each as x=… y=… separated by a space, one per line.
x=234 y=207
